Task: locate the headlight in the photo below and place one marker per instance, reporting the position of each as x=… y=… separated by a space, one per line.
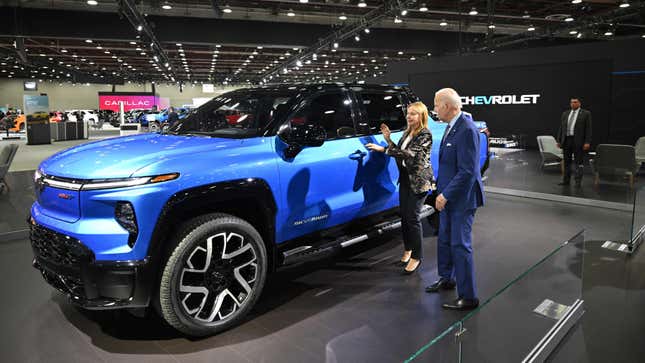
x=108 y=184
x=71 y=184
x=124 y=214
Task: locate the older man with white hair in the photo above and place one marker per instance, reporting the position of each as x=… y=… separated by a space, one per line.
x=460 y=191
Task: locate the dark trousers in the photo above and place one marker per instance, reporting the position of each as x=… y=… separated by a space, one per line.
x=410 y=205
x=571 y=151
x=455 y=252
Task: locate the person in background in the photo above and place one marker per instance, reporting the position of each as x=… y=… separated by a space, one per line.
x=412 y=154
x=173 y=117
x=574 y=137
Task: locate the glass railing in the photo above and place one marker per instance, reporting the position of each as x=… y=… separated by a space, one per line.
x=638 y=218
x=524 y=320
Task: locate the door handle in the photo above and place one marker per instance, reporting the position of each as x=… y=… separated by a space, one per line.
x=358 y=154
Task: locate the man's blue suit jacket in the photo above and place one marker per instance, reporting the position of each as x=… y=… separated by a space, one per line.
x=459 y=177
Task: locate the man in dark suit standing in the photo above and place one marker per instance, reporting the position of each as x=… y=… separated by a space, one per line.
x=574 y=136
x=461 y=192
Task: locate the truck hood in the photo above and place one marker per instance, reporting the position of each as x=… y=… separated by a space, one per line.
x=122 y=156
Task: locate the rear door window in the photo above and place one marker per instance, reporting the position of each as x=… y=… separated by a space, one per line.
x=330 y=110
x=381 y=107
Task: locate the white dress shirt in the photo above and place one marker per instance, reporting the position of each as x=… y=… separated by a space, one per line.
x=571 y=123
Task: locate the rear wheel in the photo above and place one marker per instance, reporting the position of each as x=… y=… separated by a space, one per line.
x=213 y=276
x=154 y=126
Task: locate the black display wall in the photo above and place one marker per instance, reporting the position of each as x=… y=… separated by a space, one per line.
x=618 y=113
x=530 y=99
x=627 y=115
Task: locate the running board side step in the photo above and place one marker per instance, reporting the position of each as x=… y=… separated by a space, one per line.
x=311 y=252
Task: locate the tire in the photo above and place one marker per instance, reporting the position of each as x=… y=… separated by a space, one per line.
x=201 y=293
x=153 y=126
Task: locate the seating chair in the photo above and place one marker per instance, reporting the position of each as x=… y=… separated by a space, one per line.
x=6 y=157
x=640 y=150
x=615 y=160
x=550 y=152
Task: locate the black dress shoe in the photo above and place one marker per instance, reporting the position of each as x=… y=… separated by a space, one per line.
x=441 y=284
x=564 y=183
x=462 y=304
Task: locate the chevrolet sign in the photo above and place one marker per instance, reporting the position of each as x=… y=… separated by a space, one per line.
x=501 y=100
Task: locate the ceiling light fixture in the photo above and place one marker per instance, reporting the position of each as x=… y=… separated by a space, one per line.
x=473 y=11
x=397 y=20
x=624 y=4
x=608 y=34
x=443 y=23
x=366 y=30
x=227 y=9
x=531 y=29
x=568 y=19
x=92 y=2
x=342 y=17
x=357 y=38
x=362 y=4
x=166 y=5
x=423 y=7
x=576 y=1
x=291 y=13
x=404 y=12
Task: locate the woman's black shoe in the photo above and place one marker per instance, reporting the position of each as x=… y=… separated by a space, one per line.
x=410 y=272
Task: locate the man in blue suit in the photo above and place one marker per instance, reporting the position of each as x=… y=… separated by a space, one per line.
x=460 y=191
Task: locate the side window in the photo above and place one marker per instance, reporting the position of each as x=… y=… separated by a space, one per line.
x=384 y=108
x=331 y=111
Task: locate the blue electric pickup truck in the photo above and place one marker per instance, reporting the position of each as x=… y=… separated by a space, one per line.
x=191 y=221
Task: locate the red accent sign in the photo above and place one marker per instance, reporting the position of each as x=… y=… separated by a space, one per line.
x=130 y=102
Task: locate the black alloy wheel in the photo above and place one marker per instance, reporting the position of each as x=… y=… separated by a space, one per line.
x=213 y=276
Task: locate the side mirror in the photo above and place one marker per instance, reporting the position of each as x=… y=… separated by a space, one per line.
x=299 y=135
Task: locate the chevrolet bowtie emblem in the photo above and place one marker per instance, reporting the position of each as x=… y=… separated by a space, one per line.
x=65 y=196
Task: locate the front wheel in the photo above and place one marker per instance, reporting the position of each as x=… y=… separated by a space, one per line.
x=213 y=276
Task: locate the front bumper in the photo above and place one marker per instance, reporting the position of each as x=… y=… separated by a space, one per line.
x=69 y=266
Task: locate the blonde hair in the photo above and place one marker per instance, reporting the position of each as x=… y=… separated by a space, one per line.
x=422 y=110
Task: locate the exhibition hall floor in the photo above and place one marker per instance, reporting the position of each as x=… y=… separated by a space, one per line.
x=520 y=169
x=355 y=307
x=358 y=307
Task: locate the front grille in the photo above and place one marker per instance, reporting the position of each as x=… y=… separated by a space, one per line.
x=57 y=248
x=67 y=284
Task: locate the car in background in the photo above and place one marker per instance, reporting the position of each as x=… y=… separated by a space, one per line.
x=14 y=122
x=161 y=118
x=57 y=116
x=110 y=117
x=90 y=116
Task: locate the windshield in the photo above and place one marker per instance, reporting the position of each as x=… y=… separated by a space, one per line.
x=237 y=114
